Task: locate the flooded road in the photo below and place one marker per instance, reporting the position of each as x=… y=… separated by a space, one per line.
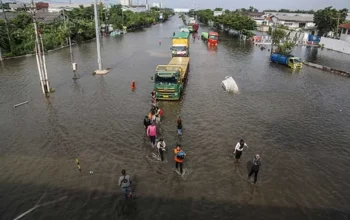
x=298 y=122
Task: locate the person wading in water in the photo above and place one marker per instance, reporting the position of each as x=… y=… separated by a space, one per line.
x=161 y=148
x=255 y=168
x=239 y=149
x=146 y=122
x=179 y=157
x=125 y=184
x=152 y=133
x=179 y=126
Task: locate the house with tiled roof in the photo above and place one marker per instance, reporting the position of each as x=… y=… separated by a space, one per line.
x=345 y=32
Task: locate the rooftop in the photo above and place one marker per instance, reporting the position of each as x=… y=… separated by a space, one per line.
x=256 y=14
x=297 y=18
x=45 y=17
x=9 y=15
x=181 y=35
x=346 y=26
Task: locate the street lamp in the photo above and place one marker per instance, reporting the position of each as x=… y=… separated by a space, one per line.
x=274 y=21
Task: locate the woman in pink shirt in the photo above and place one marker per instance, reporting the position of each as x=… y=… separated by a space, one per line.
x=152 y=133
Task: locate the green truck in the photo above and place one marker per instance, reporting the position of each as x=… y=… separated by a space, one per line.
x=170 y=79
x=181 y=44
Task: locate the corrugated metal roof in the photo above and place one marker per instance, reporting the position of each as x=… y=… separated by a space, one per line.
x=48 y=17
x=296 y=18
x=45 y=17
x=9 y=15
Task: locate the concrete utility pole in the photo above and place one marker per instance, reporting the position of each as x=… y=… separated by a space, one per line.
x=40 y=55
x=100 y=71
x=74 y=65
x=337 y=24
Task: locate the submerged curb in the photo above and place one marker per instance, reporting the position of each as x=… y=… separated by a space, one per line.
x=328 y=69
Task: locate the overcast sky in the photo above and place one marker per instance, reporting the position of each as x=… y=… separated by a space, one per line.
x=259 y=4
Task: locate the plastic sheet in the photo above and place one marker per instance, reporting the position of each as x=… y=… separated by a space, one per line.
x=230 y=85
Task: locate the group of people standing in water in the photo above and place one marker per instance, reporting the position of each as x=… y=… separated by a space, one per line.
x=150 y=123
x=256 y=160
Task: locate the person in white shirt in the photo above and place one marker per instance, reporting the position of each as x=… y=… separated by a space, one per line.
x=161 y=148
x=239 y=149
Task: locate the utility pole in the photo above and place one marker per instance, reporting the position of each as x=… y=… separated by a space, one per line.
x=99 y=61
x=100 y=71
x=337 y=24
x=6 y=24
x=40 y=56
x=74 y=65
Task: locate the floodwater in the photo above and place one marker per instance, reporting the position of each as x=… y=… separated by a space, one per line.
x=298 y=122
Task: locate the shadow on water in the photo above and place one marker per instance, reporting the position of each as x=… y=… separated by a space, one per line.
x=98 y=204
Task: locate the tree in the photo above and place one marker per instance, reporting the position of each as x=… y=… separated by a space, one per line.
x=285 y=48
x=328 y=19
x=218 y=9
x=277 y=35
x=231 y=20
x=252 y=9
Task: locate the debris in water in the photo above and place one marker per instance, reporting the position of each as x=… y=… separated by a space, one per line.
x=22 y=103
x=91 y=172
x=229 y=84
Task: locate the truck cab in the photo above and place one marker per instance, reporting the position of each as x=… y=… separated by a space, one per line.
x=168 y=83
x=180 y=45
x=295 y=63
x=213 y=38
x=179 y=51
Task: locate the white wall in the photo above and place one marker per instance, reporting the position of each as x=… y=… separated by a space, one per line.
x=296 y=24
x=345 y=36
x=337 y=45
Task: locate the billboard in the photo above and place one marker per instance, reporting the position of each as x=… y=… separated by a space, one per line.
x=314 y=38
x=218 y=13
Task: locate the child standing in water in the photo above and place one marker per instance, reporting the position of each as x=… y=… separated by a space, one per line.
x=179 y=125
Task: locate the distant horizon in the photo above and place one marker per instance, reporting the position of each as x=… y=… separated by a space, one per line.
x=206 y=4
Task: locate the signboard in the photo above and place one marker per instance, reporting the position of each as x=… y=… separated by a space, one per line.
x=314 y=38
x=218 y=13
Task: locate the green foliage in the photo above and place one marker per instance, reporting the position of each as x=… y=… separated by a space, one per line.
x=233 y=20
x=244 y=10
x=79 y=25
x=277 y=35
x=326 y=20
x=286 y=48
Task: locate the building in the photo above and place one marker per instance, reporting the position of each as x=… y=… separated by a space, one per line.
x=345 y=32
x=157 y=5
x=42 y=6
x=126 y=2
x=181 y=10
x=259 y=17
x=294 y=20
